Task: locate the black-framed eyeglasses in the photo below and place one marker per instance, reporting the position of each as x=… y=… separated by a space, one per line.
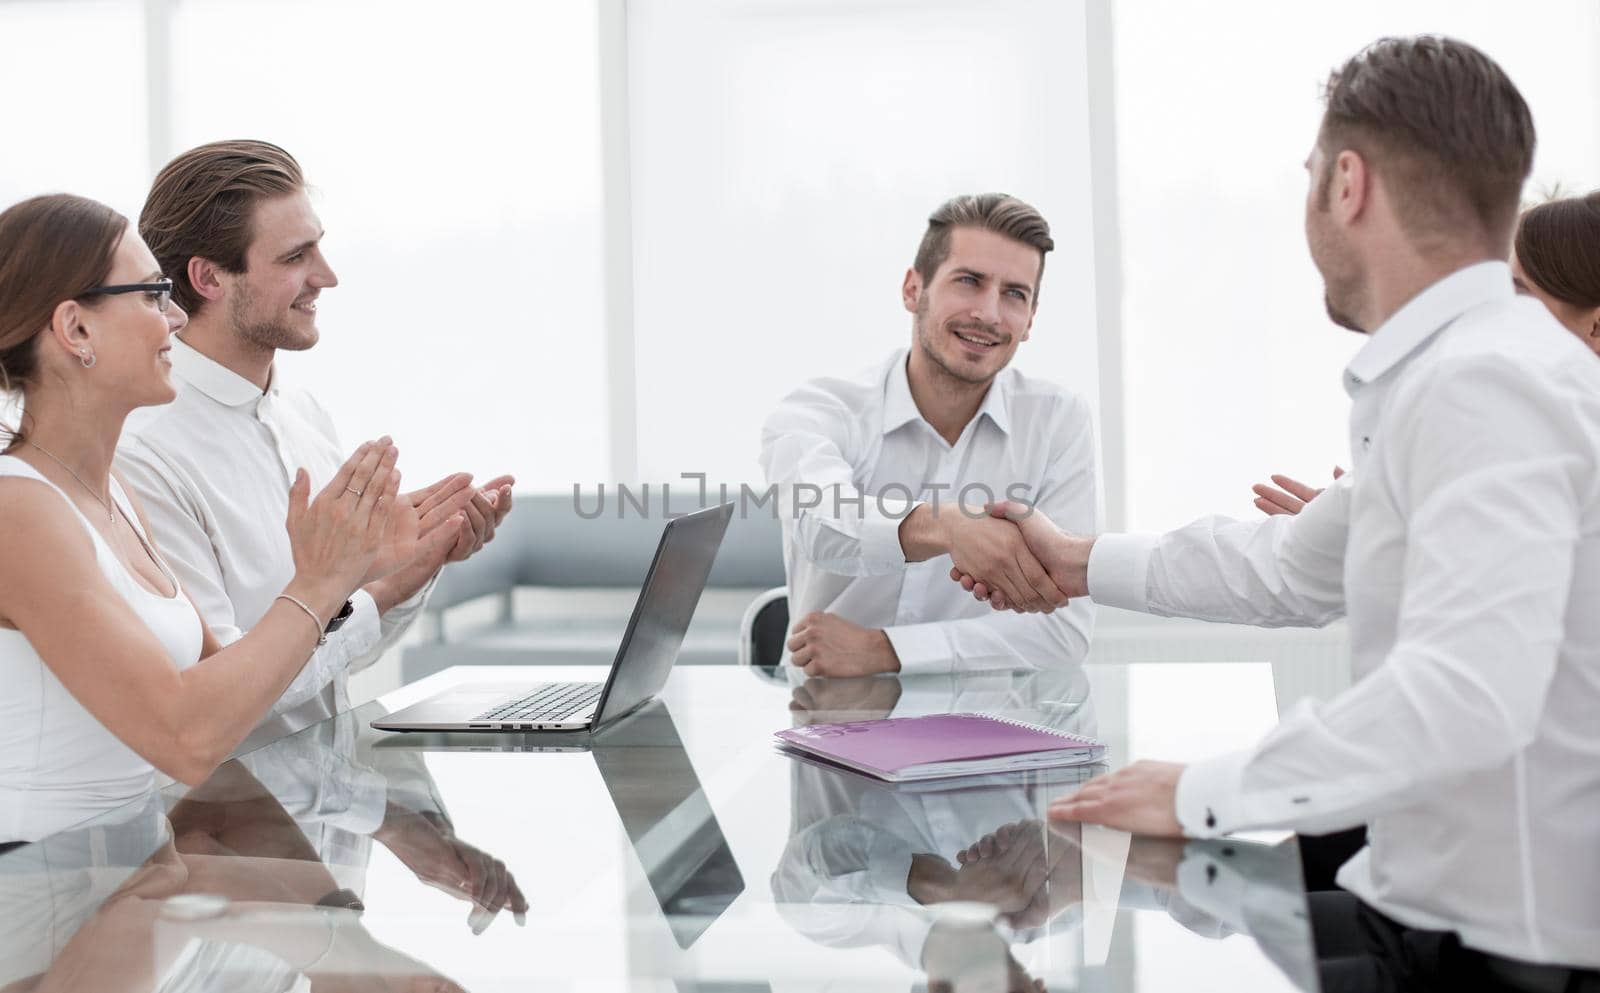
x=160 y=291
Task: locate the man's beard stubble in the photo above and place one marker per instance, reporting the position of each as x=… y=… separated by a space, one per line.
x=925 y=342
x=1338 y=316
x=266 y=335
x=1330 y=253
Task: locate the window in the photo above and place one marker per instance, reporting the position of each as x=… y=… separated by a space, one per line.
x=785 y=159
x=456 y=159
x=1231 y=365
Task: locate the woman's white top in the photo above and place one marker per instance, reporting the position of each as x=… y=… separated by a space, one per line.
x=59 y=766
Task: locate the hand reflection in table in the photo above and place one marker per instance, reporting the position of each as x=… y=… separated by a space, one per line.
x=345 y=794
x=228 y=889
x=870 y=863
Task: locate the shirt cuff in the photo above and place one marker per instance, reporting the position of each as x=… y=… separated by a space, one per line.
x=923 y=649
x=1211 y=885
x=1211 y=796
x=1119 y=569
x=362 y=630
x=368 y=803
x=880 y=531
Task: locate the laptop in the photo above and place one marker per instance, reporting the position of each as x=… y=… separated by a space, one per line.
x=672 y=588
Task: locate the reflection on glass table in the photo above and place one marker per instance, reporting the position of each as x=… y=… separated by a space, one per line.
x=678 y=850
x=221 y=890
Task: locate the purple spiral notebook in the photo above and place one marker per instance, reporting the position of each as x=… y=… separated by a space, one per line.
x=904 y=749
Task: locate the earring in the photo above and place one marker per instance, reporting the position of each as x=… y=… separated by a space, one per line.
x=86 y=358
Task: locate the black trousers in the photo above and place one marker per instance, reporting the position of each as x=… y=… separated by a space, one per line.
x=1322 y=855
x=1359 y=950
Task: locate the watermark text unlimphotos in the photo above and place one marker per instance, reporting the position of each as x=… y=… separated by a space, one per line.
x=892 y=500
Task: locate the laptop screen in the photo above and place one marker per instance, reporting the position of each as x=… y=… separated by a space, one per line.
x=666 y=604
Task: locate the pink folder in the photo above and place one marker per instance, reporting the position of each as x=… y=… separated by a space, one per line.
x=903 y=749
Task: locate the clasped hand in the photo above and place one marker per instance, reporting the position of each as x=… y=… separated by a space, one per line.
x=1017 y=559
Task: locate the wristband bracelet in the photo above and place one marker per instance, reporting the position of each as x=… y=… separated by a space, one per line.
x=322 y=638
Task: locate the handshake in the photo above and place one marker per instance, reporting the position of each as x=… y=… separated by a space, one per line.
x=1013 y=557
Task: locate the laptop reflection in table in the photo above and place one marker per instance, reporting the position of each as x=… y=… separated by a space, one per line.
x=657 y=796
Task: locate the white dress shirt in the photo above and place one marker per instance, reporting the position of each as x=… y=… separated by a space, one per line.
x=1465 y=548
x=212 y=470
x=863 y=438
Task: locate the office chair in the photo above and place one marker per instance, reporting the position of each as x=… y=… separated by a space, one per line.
x=762 y=632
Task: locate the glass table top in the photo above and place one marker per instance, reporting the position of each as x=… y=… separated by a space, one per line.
x=677 y=850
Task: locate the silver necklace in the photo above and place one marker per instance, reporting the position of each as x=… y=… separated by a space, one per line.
x=111 y=516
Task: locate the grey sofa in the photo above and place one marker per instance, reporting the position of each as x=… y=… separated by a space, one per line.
x=561 y=587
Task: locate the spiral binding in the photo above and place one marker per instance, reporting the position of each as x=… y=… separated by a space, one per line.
x=1068 y=735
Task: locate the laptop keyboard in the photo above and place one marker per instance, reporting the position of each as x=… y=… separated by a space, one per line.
x=553 y=701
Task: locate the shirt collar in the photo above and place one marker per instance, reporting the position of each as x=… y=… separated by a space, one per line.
x=1410 y=327
x=899 y=409
x=214 y=379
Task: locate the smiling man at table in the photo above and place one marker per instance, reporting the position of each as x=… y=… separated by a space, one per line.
x=232 y=224
x=1464 y=548
x=950 y=423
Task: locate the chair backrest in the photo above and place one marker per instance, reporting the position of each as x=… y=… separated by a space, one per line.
x=763 y=630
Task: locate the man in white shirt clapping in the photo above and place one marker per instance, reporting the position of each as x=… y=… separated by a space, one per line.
x=232 y=226
x=882 y=477
x=1464 y=547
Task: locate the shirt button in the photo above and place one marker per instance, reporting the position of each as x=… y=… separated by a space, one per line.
x=1366 y=443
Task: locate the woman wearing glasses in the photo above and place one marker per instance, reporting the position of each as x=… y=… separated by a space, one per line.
x=105 y=668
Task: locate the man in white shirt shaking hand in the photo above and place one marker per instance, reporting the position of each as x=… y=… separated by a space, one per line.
x=882 y=477
x=1464 y=547
x=232 y=226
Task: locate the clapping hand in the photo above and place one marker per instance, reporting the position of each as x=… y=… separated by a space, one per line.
x=488 y=506
x=423 y=524
x=1291 y=498
x=446 y=522
x=336 y=536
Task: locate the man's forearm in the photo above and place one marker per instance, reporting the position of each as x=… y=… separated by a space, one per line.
x=930 y=879
x=398 y=587
x=924 y=534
